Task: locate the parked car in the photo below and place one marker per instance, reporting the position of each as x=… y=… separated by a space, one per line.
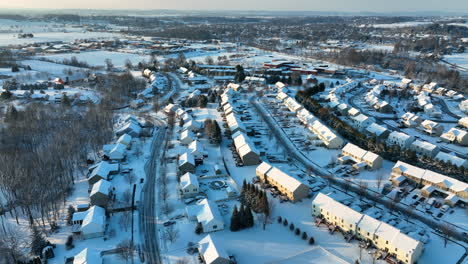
x=169 y=223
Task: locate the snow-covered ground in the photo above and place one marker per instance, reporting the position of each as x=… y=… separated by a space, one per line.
x=460 y=59
x=402 y=24
x=43 y=37
x=97 y=58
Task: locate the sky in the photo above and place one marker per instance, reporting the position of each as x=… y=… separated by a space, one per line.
x=267 y=5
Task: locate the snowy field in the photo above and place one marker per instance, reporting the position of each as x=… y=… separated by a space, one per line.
x=97 y=58
x=402 y=24
x=42 y=37
x=460 y=59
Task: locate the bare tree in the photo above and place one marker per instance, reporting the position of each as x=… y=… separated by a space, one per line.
x=171 y=233
x=125 y=220
x=447 y=231
x=127 y=198
x=127 y=250
x=182 y=261
x=379 y=179
x=130 y=178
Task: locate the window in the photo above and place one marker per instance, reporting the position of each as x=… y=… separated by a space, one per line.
x=368 y=233
x=386 y=242
x=351 y=226
x=215 y=226
x=359 y=229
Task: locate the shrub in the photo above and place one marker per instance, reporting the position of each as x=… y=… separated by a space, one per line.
x=199 y=229
x=311 y=241
x=285 y=222
x=298 y=231
x=69 y=243
x=279 y=219
x=291 y=227
x=304 y=235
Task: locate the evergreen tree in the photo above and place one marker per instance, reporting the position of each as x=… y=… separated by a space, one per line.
x=65 y=100
x=311 y=241
x=249 y=221
x=38 y=242
x=235 y=221
x=242 y=216
x=199 y=228
x=240 y=74
x=291 y=227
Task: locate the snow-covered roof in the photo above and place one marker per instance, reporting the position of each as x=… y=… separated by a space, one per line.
x=211 y=250
x=188 y=179
x=263 y=168
x=338 y=209
x=87 y=256
x=453 y=159
x=284 y=179
x=399 y=136
x=408 y=169
x=125 y=139
x=246 y=149
x=102 y=186
x=96 y=216
x=104 y=168
x=186 y=158
x=376 y=129
x=187 y=134
x=79 y=216
x=354 y=150
x=424 y=145
x=205 y=212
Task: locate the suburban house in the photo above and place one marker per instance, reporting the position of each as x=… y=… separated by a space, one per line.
x=380 y=234
x=235 y=124
x=452 y=159
x=102 y=170
x=377 y=131
x=361 y=122
x=463 y=122
x=410 y=120
x=189 y=185
x=246 y=150
x=115 y=152
x=212 y=252
x=197 y=150
x=171 y=108
x=328 y=137
x=400 y=139
x=206 y=212
x=131 y=128
x=125 y=139
x=287 y=185
x=187 y=137
x=100 y=193
x=186 y=163
x=359 y=155
x=292 y=105
x=353 y=112
x=94 y=224
x=424 y=148
x=432 y=128
x=455 y=189
x=193 y=125
x=87 y=256
x=455 y=135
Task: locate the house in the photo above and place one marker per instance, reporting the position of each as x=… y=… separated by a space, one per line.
x=306 y=117
x=102 y=170
x=463 y=122
x=353 y=112
x=292 y=105
x=280 y=86
x=431 y=127
x=235 y=124
x=131 y=128
x=246 y=150
x=125 y=139
x=282 y=96
x=400 y=139
x=410 y=120
x=383 y=106
x=286 y=184
x=463 y=106
x=186 y=163
x=361 y=122
x=189 y=185
x=116 y=151
x=193 y=125
x=94 y=224
x=380 y=234
x=452 y=159
x=100 y=193
x=197 y=150
x=212 y=252
x=78 y=217
x=87 y=256
x=328 y=137
x=342 y=108
x=442 y=183
x=424 y=148
x=206 y=212
x=359 y=155
x=187 y=137
x=170 y=108
x=455 y=135
x=377 y=131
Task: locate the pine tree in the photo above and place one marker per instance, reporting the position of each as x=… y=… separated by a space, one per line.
x=265 y=205
x=235 y=221
x=311 y=241
x=38 y=242
x=242 y=216
x=199 y=228
x=249 y=221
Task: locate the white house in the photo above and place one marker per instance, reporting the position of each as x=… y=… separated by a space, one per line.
x=102 y=170
x=424 y=148
x=115 y=151
x=411 y=120
x=400 y=139
x=431 y=127
x=197 y=150
x=329 y=138
x=187 y=137
x=186 y=163
x=463 y=122
x=170 y=108
x=206 y=212
x=452 y=159
x=131 y=128
x=212 y=252
x=361 y=122
x=455 y=135
x=94 y=224
x=125 y=139
x=286 y=184
x=99 y=194
x=193 y=125
x=87 y=256
x=377 y=131
x=359 y=155
x=189 y=185
x=464 y=106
